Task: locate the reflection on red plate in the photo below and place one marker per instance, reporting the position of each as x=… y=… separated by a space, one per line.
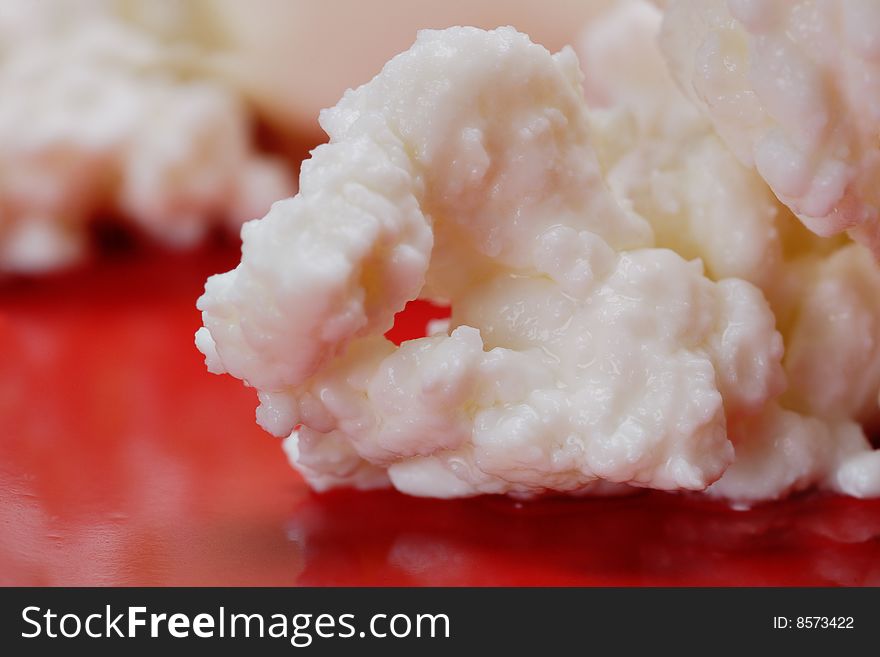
x=122 y=461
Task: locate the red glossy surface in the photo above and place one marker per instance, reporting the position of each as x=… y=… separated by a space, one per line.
x=122 y=461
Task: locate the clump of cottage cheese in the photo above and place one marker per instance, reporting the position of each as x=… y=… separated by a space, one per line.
x=664 y=158
x=616 y=278
x=101 y=116
x=578 y=353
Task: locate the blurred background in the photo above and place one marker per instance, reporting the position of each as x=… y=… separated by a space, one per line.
x=176 y=117
x=135 y=138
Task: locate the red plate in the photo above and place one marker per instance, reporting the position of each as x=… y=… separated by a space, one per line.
x=122 y=461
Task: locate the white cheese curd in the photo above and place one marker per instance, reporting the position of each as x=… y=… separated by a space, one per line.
x=665 y=159
x=438 y=327
x=579 y=355
x=832 y=350
x=781 y=451
x=793 y=88
x=100 y=117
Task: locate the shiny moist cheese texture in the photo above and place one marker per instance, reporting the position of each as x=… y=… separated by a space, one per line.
x=99 y=116
x=579 y=356
x=664 y=159
x=793 y=88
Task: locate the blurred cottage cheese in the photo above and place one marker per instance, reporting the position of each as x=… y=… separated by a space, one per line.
x=269 y=48
x=99 y=116
x=793 y=88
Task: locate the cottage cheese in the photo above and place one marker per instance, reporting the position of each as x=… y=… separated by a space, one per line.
x=793 y=88
x=578 y=354
x=99 y=117
x=664 y=158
